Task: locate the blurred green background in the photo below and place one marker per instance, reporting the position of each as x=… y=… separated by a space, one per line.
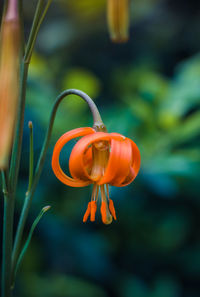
x=149 y=90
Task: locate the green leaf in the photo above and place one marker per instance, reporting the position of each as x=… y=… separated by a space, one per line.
x=23 y=251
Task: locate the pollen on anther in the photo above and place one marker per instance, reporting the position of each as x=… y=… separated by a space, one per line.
x=93 y=210
x=87 y=213
x=103 y=212
x=112 y=209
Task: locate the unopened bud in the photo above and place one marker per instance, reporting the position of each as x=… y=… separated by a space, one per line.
x=46 y=208
x=30 y=125
x=9 y=78
x=118 y=19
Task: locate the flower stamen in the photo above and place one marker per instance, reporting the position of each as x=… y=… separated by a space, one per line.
x=93 y=211
x=105 y=212
x=111 y=204
x=112 y=209
x=92 y=205
x=87 y=213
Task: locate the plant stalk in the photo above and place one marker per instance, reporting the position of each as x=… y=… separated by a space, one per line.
x=17 y=147
x=29 y=195
x=7 y=238
x=16 y=154
x=31 y=156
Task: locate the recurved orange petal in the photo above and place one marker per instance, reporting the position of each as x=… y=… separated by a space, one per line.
x=56 y=153
x=119 y=162
x=134 y=168
x=136 y=157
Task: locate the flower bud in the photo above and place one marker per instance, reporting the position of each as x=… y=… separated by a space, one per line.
x=118 y=19
x=9 y=79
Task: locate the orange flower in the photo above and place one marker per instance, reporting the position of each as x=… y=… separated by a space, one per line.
x=100 y=159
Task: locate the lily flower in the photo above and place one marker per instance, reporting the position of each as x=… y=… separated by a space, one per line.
x=101 y=159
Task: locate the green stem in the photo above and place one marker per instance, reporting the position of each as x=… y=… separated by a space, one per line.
x=31 y=156
x=37 y=21
x=16 y=154
x=17 y=147
x=8 y=204
x=27 y=203
x=21 y=19
x=33 y=31
x=5 y=6
x=7 y=238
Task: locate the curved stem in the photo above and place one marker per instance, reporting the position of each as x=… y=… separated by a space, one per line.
x=27 y=203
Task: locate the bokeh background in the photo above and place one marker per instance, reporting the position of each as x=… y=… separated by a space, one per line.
x=149 y=90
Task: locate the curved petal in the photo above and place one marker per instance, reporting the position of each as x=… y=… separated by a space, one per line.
x=119 y=162
x=56 y=153
x=135 y=166
x=129 y=178
x=76 y=162
x=136 y=157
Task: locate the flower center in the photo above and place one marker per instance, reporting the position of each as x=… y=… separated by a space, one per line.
x=100 y=154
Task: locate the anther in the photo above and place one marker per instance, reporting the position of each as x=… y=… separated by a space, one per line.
x=112 y=209
x=87 y=213
x=93 y=210
x=105 y=214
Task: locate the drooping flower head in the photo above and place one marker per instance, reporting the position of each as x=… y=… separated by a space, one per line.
x=101 y=159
